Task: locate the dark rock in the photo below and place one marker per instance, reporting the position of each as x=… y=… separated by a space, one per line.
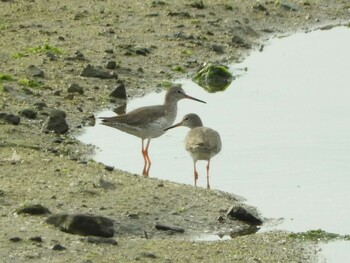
x=78 y=56
x=245 y=214
x=217 y=49
x=52 y=56
x=75 y=88
x=238 y=41
x=179 y=14
x=133 y=216
x=36 y=239
x=197 y=4
x=40 y=105
x=260 y=7
x=213 y=77
x=69 y=97
x=57 y=122
x=57 y=93
x=168 y=227
x=36 y=209
x=92 y=72
x=10 y=118
x=15 y=239
x=111 y=65
x=85 y=225
x=158 y=3
x=142 y=51
x=58 y=247
x=109 y=51
x=119 y=91
x=34 y=71
x=109 y=168
x=28 y=113
x=27 y=91
x=101 y=240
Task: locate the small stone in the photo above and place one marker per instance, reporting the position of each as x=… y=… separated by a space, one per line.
x=92 y=72
x=217 y=49
x=28 y=113
x=133 y=216
x=40 y=105
x=119 y=91
x=168 y=227
x=34 y=71
x=238 y=41
x=109 y=51
x=111 y=65
x=57 y=122
x=36 y=239
x=148 y=255
x=109 y=168
x=84 y=225
x=75 y=88
x=57 y=93
x=36 y=209
x=58 y=247
x=245 y=214
x=78 y=56
x=15 y=239
x=142 y=51
x=10 y=118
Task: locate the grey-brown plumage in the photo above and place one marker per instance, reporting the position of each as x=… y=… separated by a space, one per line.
x=149 y=122
x=201 y=142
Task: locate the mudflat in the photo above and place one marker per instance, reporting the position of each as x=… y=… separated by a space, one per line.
x=46 y=50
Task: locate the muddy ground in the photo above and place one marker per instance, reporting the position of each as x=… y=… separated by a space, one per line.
x=146 y=45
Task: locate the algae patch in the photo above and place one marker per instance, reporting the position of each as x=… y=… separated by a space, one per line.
x=319 y=235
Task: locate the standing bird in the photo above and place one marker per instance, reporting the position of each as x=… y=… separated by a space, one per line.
x=202 y=143
x=149 y=122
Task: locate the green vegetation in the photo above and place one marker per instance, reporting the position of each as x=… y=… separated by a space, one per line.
x=29 y=83
x=5 y=77
x=178 y=69
x=38 y=50
x=213 y=77
x=318 y=235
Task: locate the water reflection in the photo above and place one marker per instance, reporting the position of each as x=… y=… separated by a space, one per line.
x=285 y=131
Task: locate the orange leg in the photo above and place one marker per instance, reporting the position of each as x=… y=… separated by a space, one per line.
x=208 y=186
x=147 y=164
x=195 y=174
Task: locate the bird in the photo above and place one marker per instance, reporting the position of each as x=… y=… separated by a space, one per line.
x=202 y=143
x=149 y=122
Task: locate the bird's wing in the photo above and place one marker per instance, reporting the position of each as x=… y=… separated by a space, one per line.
x=136 y=117
x=203 y=139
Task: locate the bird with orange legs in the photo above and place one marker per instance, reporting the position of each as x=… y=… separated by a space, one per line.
x=149 y=122
x=202 y=143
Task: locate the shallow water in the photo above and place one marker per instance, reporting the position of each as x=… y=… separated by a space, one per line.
x=285 y=129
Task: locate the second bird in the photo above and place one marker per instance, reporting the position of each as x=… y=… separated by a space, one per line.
x=149 y=122
x=201 y=142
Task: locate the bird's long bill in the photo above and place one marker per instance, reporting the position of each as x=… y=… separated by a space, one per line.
x=192 y=98
x=174 y=126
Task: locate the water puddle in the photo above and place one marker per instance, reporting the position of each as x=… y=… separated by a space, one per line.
x=285 y=129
